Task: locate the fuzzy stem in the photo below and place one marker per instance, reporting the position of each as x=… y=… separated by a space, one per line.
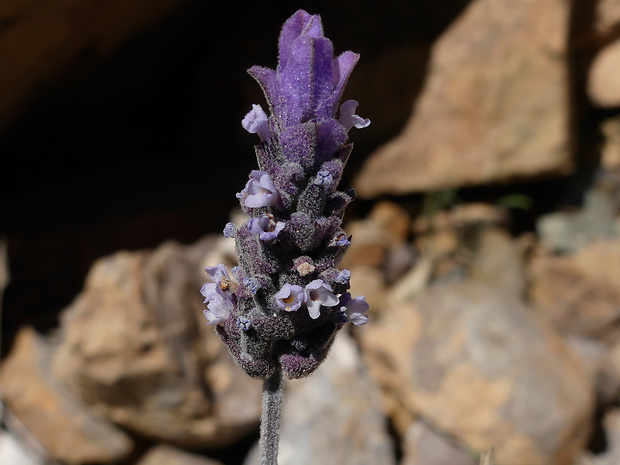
x=270 y=418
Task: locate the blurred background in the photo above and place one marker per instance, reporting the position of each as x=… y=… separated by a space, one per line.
x=486 y=235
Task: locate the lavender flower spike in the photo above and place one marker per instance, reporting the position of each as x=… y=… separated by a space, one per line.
x=288 y=300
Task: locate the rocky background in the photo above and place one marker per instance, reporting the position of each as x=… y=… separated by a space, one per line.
x=486 y=236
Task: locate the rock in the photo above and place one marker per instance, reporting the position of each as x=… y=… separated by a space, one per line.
x=498 y=262
x=608 y=382
x=67 y=430
x=392 y=219
x=369 y=282
x=603 y=85
x=334 y=416
x=610 y=153
x=446 y=236
x=611 y=425
x=12 y=452
x=569 y=232
x=579 y=294
x=134 y=345
x=479 y=367
x=369 y=244
x=487 y=458
x=58 y=36
x=167 y=455
x=424 y=446
x=494 y=107
x=607 y=17
x=380 y=241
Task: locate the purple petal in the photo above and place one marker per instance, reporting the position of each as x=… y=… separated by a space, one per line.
x=354 y=309
x=256 y=122
x=349 y=119
x=319 y=294
x=290 y=297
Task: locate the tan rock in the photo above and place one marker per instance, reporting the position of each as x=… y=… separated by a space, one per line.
x=494 y=106
x=607 y=16
x=369 y=282
x=568 y=232
x=611 y=425
x=393 y=219
x=610 y=153
x=423 y=445
x=498 y=262
x=447 y=238
x=476 y=364
x=67 y=430
x=135 y=347
x=386 y=228
x=167 y=455
x=603 y=82
x=334 y=417
x=579 y=293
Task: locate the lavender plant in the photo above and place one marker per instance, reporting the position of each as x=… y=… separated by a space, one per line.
x=279 y=310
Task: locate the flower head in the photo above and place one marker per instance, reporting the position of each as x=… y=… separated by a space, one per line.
x=290 y=247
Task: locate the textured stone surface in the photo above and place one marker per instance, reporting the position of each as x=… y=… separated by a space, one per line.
x=64 y=427
x=580 y=293
x=611 y=425
x=607 y=17
x=166 y=455
x=610 y=154
x=568 y=232
x=424 y=446
x=603 y=82
x=494 y=106
x=476 y=364
x=12 y=452
x=334 y=416
x=135 y=346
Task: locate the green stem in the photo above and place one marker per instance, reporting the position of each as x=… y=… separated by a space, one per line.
x=270 y=418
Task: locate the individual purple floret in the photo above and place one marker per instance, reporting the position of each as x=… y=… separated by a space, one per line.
x=286 y=300
x=291 y=297
x=219 y=296
x=256 y=122
x=354 y=309
x=259 y=191
x=319 y=294
x=265 y=227
x=349 y=119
